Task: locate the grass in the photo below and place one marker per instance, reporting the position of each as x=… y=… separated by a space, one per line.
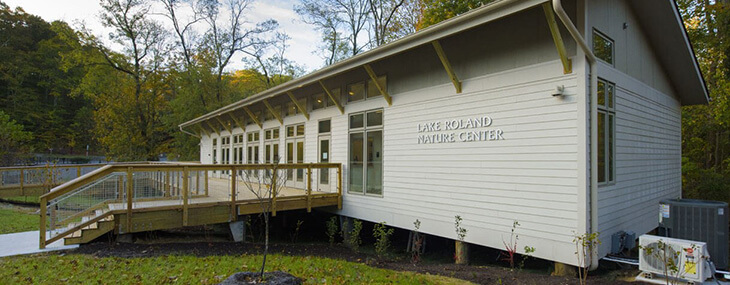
x=14 y=220
x=23 y=199
x=75 y=269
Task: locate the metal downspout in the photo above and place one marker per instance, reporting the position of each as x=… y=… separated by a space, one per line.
x=560 y=12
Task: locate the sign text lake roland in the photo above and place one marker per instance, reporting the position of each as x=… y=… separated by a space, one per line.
x=458 y=130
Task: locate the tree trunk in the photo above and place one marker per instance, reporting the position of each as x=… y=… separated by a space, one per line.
x=266 y=243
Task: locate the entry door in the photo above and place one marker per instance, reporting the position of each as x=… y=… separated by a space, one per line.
x=271 y=152
x=325 y=175
x=295 y=154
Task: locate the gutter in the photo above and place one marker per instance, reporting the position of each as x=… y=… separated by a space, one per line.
x=560 y=12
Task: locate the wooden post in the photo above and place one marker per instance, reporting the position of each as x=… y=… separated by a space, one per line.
x=339 y=187
x=197 y=182
x=309 y=189
x=206 y=183
x=42 y=230
x=234 y=213
x=167 y=184
x=78 y=171
x=273 y=192
x=185 y=195
x=130 y=190
x=22 y=182
x=120 y=189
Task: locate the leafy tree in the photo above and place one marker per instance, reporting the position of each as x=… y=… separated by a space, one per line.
x=384 y=14
x=705 y=135
x=13 y=141
x=439 y=10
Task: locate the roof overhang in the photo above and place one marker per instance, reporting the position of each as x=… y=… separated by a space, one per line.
x=471 y=19
x=663 y=26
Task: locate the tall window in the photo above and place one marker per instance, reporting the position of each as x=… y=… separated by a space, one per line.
x=603 y=47
x=366 y=153
x=215 y=151
x=606 y=131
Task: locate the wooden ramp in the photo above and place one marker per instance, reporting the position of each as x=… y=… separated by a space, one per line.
x=142 y=197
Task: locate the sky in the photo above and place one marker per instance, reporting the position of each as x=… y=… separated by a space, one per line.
x=303 y=43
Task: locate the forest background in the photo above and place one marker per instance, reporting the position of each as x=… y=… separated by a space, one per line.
x=63 y=90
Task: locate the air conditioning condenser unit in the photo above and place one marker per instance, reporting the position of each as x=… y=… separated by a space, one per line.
x=662 y=258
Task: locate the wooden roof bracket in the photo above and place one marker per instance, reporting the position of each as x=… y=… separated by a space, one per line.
x=203 y=130
x=225 y=126
x=238 y=122
x=213 y=128
x=273 y=112
x=382 y=89
x=299 y=106
x=557 y=38
x=445 y=61
x=334 y=100
x=253 y=116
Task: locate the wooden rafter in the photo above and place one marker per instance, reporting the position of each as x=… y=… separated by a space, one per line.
x=225 y=126
x=557 y=38
x=273 y=112
x=445 y=61
x=203 y=130
x=213 y=128
x=299 y=106
x=382 y=89
x=334 y=100
x=238 y=122
x=252 y=116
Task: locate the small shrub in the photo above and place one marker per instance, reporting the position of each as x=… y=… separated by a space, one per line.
x=460 y=232
x=528 y=253
x=585 y=244
x=417 y=242
x=382 y=234
x=511 y=247
x=332 y=228
x=295 y=235
x=353 y=238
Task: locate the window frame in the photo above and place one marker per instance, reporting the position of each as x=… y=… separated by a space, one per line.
x=602 y=35
x=364 y=131
x=608 y=112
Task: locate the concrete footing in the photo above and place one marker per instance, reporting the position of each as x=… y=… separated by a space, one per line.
x=238 y=231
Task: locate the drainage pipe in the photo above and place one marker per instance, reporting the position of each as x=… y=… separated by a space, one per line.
x=560 y=12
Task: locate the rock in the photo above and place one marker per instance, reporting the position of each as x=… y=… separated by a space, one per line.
x=273 y=278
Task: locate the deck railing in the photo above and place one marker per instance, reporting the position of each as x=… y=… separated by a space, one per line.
x=40 y=178
x=127 y=188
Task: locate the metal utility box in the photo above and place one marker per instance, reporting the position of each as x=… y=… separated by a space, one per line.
x=698 y=220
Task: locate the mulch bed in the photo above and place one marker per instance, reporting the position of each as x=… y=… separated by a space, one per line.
x=477 y=274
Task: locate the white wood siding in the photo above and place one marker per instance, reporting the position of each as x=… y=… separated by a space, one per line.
x=648 y=127
x=531 y=176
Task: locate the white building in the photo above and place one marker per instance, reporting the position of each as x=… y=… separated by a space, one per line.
x=488 y=116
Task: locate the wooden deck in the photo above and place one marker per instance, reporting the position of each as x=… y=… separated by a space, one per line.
x=153 y=197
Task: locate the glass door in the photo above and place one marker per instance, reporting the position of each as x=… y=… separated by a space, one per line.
x=295 y=154
x=323 y=175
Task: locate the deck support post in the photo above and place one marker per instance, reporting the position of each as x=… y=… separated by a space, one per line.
x=447 y=65
x=339 y=187
x=557 y=38
x=186 y=195
x=299 y=106
x=309 y=189
x=78 y=171
x=234 y=213
x=273 y=191
x=130 y=185
x=43 y=203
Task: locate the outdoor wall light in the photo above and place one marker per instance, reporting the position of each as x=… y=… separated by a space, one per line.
x=559 y=90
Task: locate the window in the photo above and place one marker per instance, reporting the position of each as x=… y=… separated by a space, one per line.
x=606 y=131
x=366 y=89
x=324 y=149
x=215 y=151
x=366 y=153
x=356 y=92
x=322 y=100
x=603 y=47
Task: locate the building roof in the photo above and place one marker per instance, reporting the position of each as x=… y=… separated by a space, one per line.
x=660 y=19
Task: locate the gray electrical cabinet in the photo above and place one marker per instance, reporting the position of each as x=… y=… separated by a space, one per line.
x=697 y=220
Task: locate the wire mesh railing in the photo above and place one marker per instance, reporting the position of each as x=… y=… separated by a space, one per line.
x=124 y=188
x=42 y=177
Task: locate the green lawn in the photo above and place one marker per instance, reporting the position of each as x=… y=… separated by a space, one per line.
x=13 y=220
x=76 y=269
